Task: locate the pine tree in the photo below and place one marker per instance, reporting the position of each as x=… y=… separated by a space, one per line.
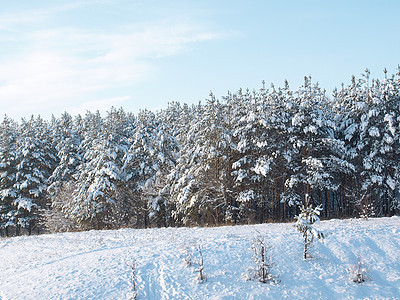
x=8 y=139
x=263 y=260
x=68 y=155
x=201 y=182
x=246 y=134
x=318 y=156
x=368 y=125
x=95 y=200
x=305 y=224
x=262 y=138
x=34 y=164
x=147 y=164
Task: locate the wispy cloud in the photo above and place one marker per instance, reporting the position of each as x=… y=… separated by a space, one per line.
x=70 y=66
x=12 y=20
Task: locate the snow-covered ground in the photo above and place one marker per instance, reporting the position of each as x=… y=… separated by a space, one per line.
x=97 y=264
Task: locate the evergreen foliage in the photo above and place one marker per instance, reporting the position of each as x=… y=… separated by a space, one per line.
x=304 y=224
x=251 y=157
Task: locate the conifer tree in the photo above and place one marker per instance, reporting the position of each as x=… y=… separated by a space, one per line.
x=147 y=164
x=68 y=154
x=201 y=184
x=8 y=139
x=34 y=163
x=318 y=156
x=305 y=224
x=95 y=200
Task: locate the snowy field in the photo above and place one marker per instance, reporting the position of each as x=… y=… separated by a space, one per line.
x=97 y=264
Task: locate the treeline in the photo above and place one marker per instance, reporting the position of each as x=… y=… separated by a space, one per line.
x=250 y=157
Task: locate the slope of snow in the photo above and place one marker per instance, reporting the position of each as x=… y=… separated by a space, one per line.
x=96 y=264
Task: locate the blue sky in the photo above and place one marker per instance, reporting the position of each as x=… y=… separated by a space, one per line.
x=80 y=55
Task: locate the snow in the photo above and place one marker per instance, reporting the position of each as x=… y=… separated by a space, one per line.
x=97 y=264
x=297 y=119
x=391 y=183
x=240 y=175
x=373 y=131
x=262 y=167
x=246 y=196
x=24 y=203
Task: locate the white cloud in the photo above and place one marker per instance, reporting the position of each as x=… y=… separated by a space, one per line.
x=11 y=21
x=62 y=67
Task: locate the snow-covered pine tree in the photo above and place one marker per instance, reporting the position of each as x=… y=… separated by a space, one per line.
x=178 y=118
x=369 y=122
x=167 y=147
x=34 y=164
x=317 y=159
x=347 y=119
x=305 y=224
x=96 y=200
x=180 y=180
x=67 y=147
x=273 y=144
x=147 y=164
x=200 y=183
x=200 y=265
x=8 y=139
x=267 y=132
x=62 y=181
x=246 y=130
x=263 y=260
x=378 y=141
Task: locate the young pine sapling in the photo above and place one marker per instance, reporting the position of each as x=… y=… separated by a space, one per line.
x=193 y=256
x=133 y=267
x=262 y=259
x=201 y=278
x=358 y=273
x=304 y=223
x=187 y=256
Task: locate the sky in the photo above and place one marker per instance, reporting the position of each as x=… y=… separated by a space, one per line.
x=80 y=55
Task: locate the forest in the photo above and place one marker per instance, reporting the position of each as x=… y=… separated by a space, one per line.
x=253 y=156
